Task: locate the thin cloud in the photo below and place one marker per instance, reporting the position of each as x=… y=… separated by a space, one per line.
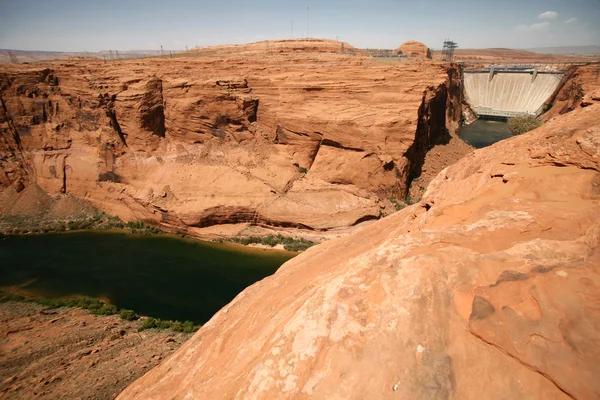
x=532 y=28
x=570 y=20
x=548 y=15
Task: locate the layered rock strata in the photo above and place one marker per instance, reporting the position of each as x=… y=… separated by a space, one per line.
x=315 y=142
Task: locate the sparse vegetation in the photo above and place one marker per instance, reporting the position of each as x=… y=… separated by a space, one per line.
x=95 y=306
x=289 y=243
x=99 y=307
x=22 y=224
x=397 y=204
x=302 y=170
x=176 y=326
x=523 y=123
x=128 y=315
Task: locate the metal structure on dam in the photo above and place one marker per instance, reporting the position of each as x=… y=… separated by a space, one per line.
x=508 y=90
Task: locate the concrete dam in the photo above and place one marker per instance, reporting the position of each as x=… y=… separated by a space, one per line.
x=509 y=92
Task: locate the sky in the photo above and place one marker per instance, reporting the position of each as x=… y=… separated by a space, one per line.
x=94 y=25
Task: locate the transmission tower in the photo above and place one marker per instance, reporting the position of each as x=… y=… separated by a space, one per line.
x=13 y=57
x=448 y=51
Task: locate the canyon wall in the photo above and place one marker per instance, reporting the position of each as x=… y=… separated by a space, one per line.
x=487 y=288
x=580 y=87
x=316 y=142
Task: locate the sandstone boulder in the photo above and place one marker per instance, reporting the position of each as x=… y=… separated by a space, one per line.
x=414 y=49
x=487 y=288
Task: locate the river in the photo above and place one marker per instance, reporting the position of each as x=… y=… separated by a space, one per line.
x=160 y=276
x=482 y=132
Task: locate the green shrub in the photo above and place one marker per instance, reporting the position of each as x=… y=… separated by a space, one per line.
x=149 y=323
x=164 y=324
x=302 y=170
x=175 y=326
x=523 y=123
x=398 y=205
x=95 y=306
x=105 y=309
x=189 y=327
x=128 y=315
x=289 y=243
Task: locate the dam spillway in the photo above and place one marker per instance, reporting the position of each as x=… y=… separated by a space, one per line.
x=506 y=93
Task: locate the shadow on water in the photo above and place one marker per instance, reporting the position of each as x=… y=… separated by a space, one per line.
x=483 y=132
x=160 y=276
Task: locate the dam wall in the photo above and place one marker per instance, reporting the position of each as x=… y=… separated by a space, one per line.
x=509 y=93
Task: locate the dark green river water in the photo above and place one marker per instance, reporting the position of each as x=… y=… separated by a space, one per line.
x=482 y=133
x=160 y=276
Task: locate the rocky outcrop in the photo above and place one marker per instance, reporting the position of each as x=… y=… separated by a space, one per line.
x=578 y=88
x=414 y=49
x=487 y=288
x=316 y=142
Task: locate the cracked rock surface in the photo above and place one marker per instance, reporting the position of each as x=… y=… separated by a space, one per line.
x=489 y=288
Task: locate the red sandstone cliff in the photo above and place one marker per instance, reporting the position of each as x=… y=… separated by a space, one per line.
x=190 y=143
x=578 y=88
x=488 y=288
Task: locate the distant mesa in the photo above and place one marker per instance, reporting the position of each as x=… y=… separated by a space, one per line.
x=414 y=49
x=280 y=46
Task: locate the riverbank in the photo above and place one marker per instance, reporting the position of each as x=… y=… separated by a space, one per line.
x=71 y=353
x=33 y=211
x=96 y=307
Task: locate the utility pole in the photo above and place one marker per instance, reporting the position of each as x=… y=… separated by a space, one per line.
x=162 y=53
x=307 y=32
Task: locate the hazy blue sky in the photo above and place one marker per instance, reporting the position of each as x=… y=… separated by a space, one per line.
x=92 y=25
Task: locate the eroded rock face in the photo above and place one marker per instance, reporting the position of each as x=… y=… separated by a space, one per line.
x=578 y=88
x=487 y=288
x=309 y=141
x=414 y=48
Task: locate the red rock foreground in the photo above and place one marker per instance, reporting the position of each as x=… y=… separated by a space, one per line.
x=489 y=288
x=72 y=354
